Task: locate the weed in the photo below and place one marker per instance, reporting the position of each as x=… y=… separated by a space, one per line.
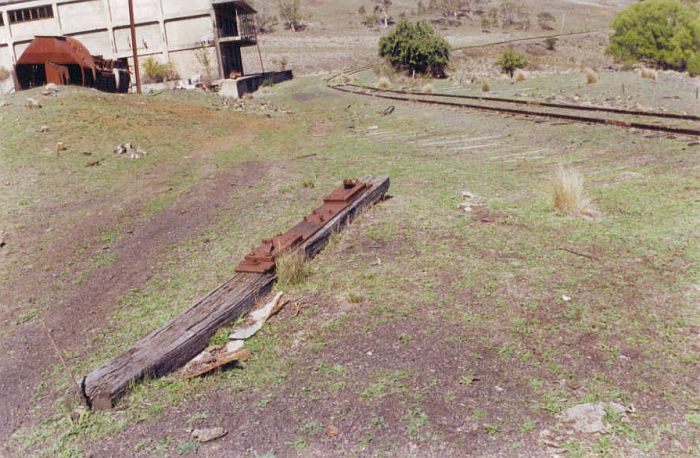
x=345 y=79
x=478 y=414
x=520 y=75
x=311 y=428
x=300 y=443
x=591 y=76
x=188 y=447
x=415 y=418
x=527 y=425
x=355 y=298
x=384 y=83
x=485 y=86
x=291 y=267
x=567 y=194
x=157 y=72
x=492 y=429
x=648 y=73
x=467 y=379
x=428 y=88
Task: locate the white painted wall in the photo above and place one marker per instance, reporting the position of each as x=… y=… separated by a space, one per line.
x=188 y=32
x=76 y=17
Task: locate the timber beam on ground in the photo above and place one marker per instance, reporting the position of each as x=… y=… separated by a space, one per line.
x=186 y=335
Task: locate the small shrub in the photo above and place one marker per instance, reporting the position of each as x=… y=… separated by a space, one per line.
x=157 y=72
x=551 y=43
x=485 y=86
x=416 y=47
x=280 y=64
x=567 y=194
x=648 y=73
x=384 y=83
x=345 y=79
x=428 y=88
x=510 y=61
x=520 y=75
x=545 y=20
x=591 y=76
x=4 y=73
x=291 y=15
x=291 y=267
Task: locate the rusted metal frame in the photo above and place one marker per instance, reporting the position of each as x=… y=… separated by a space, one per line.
x=262 y=258
x=650 y=114
x=584 y=119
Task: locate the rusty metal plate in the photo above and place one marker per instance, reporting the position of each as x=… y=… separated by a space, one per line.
x=262 y=258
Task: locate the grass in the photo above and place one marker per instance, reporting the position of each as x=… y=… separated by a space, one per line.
x=520 y=75
x=485 y=86
x=451 y=297
x=428 y=88
x=384 y=83
x=648 y=73
x=568 y=195
x=592 y=76
x=291 y=268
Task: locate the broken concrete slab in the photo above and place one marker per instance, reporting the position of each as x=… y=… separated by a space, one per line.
x=208 y=434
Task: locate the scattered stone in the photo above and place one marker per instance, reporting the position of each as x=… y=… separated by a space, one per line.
x=624 y=176
x=373 y=128
x=331 y=431
x=468 y=195
x=50 y=90
x=208 y=434
x=130 y=151
x=466 y=207
x=566 y=298
x=43 y=129
x=32 y=103
x=588 y=418
x=60 y=146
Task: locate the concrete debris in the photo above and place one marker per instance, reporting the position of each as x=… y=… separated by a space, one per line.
x=208 y=434
x=588 y=418
x=50 y=90
x=32 y=103
x=259 y=318
x=130 y=151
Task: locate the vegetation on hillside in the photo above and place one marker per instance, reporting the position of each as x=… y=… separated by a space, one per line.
x=663 y=33
x=511 y=60
x=157 y=72
x=291 y=15
x=416 y=47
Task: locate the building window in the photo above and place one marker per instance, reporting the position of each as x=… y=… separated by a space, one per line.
x=30 y=14
x=2 y=20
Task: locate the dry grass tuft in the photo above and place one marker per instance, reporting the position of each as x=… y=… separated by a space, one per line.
x=291 y=267
x=384 y=83
x=520 y=75
x=567 y=194
x=4 y=73
x=592 y=76
x=428 y=88
x=345 y=79
x=648 y=73
x=485 y=86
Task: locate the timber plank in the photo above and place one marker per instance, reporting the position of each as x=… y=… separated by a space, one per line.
x=182 y=338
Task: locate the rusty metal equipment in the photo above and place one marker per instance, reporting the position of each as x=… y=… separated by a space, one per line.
x=262 y=258
x=64 y=60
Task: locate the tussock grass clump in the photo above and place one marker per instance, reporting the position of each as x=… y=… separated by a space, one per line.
x=428 y=88
x=520 y=75
x=384 y=83
x=345 y=79
x=291 y=267
x=485 y=86
x=591 y=76
x=648 y=73
x=568 y=197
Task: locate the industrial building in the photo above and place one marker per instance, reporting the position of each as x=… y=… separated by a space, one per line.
x=170 y=30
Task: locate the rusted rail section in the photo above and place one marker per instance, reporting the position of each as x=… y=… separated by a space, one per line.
x=536 y=103
x=186 y=335
x=407 y=97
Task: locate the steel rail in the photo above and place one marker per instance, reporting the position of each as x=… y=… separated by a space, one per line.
x=566 y=106
x=517 y=111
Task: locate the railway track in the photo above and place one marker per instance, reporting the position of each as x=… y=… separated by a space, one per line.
x=630 y=119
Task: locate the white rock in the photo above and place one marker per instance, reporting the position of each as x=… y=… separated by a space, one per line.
x=566 y=298
x=208 y=434
x=588 y=418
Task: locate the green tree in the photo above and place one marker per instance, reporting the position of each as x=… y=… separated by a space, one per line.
x=510 y=61
x=291 y=15
x=417 y=47
x=664 y=33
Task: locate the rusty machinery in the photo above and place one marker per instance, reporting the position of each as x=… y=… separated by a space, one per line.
x=64 y=60
x=262 y=258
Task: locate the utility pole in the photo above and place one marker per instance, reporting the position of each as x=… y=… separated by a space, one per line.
x=134 y=47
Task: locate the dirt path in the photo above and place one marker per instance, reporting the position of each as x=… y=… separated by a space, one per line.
x=80 y=311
